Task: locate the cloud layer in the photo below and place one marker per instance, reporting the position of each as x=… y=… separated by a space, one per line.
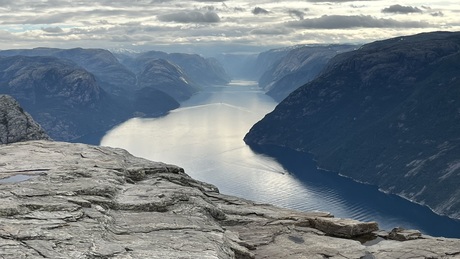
x=202 y=25
x=401 y=9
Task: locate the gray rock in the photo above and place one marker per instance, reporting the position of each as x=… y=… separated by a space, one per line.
x=97 y=202
x=402 y=234
x=17 y=125
x=347 y=228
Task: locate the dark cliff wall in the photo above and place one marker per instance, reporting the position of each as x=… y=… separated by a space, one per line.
x=386 y=114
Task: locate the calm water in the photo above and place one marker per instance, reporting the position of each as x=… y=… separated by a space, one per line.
x=205 y=137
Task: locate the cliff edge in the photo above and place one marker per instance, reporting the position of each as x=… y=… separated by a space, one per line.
x=17 y=125
x=82 y=201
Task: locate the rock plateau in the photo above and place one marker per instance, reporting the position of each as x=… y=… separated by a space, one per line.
x=84 y=201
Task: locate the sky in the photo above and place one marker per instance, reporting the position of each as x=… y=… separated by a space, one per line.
x=211 y=26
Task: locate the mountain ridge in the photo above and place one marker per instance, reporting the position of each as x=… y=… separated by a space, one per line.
x=384 y=114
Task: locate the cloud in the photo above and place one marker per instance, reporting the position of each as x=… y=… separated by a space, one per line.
x=296 y=14
x=259 y=10
x=399 y=9
x=355 y=21
x=335 y=1
x=437 y=14
x=190 y=17
x=56 y=29
x=270 y=31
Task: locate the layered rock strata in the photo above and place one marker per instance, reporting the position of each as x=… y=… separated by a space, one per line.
x=85 y=201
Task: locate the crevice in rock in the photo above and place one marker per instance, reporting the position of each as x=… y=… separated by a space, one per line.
x=32 y=248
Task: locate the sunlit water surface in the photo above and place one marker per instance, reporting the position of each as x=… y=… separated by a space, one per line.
x=205 y=137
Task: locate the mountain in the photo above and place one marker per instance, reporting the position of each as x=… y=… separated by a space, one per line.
x=239 y=65
x=386 y=114
x=66 y=99
x=109 y=72
x=199 y=70
x=16 y=125
x=267 y=59
x=166 y=77
x=299 y=66
x=82 y=201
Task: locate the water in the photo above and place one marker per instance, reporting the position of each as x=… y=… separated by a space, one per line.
x=205 y=137
x=16 y=178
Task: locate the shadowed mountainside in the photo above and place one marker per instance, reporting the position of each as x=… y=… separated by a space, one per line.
x=386 y=114
x=299 y=66
x=200 y=71
x=111 y=75
x=66 y=99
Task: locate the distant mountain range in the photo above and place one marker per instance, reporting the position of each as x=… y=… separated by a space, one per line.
x=289 y=68
x=77 y=92
x=386 y=114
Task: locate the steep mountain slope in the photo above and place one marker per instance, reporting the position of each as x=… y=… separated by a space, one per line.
x=66 y=99
x=16 y=125
x=111 y=75
x=239 y=65
x=199 y=70
x=268 y=59
x=386 y=114
x=166 y=77
x=300 y=65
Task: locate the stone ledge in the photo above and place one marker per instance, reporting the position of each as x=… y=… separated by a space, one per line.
x=99 y=202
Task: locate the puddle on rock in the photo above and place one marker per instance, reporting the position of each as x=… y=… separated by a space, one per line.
x=17 y=178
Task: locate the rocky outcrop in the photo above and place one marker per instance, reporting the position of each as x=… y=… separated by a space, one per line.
x=386 y=114
x=16 y=125
x=83 y=201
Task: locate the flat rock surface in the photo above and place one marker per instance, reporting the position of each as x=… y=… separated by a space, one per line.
x=83 y=201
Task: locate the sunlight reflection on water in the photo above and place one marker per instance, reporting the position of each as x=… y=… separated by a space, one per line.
x=205 y=137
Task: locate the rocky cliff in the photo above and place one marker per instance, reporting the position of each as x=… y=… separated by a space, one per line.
x=16 y=125
x=299 y=66
x=163 y=75
x=80 y=201
x=386 y=114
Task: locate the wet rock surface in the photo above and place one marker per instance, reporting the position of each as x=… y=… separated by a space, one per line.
x=98 y=202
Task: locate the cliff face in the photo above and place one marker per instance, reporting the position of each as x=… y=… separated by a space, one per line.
x=166 y=77
x=299 y=66
x=385 y=114
x=85 y=201
x=16 y=125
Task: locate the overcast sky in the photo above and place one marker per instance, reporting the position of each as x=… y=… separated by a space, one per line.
x=205 y=25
